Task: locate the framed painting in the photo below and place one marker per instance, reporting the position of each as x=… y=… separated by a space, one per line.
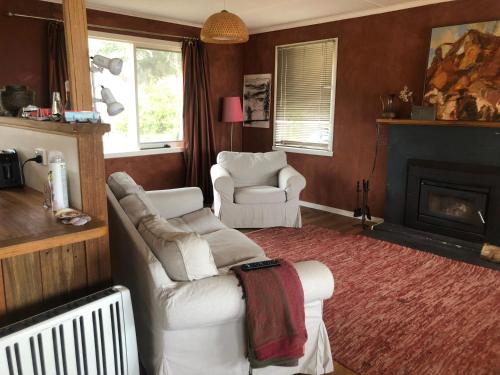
x=257 y=100
x=463 y=72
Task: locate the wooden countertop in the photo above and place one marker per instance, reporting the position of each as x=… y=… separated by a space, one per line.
x=26 y=227
x=458 y=123
x=54 y=127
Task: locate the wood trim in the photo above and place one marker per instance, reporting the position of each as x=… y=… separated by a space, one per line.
x=52 y=127
x=30 y=244
x=63 y=272
x=463 y=124
x=23 y=283
x=76 y=35
x=94 y=202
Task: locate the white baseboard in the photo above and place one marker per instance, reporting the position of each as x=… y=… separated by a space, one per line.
x=337 y=211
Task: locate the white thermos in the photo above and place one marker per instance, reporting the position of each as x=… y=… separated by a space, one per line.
x=59 y=182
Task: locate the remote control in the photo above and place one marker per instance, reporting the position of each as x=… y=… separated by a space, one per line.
x=259 y=265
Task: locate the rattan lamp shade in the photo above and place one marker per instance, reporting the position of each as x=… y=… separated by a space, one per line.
x=224 y=28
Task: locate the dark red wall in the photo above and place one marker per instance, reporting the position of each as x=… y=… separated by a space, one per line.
x=153 y=172
x=24 y=61
x=377 y=54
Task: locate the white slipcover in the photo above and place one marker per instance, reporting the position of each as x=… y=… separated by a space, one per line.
x=256 y=190
x=197 y=327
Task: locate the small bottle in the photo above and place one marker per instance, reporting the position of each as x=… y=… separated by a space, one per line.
x=56 y=103
x=67 y=103
x=59 y=181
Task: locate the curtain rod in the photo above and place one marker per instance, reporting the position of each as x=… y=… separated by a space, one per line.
x=111 y=28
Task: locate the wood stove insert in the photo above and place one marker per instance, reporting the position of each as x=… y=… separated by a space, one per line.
x=457 y=200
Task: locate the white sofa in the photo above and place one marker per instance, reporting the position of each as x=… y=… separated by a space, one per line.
x=197 y=327
x=256 y=190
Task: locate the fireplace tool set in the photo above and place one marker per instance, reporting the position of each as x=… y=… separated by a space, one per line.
x=362 y=210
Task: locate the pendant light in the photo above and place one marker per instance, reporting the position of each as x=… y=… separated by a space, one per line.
x=224 y=28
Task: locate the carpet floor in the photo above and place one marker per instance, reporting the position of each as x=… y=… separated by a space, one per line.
x=397 y=310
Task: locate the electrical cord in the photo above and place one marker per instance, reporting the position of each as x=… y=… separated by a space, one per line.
x=38 y=159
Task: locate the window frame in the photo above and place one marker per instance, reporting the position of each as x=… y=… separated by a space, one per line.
x=300 y=150
x=141 y=43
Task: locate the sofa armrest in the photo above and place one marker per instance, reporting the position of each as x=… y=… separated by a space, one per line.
x=219 y=299
x=291 y=181
x=317 y=280
x=223 y=183
x=176 y=202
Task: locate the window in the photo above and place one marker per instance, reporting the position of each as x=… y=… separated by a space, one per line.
x=304 y=97
x=149 y=87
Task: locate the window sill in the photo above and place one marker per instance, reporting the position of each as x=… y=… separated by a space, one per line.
x=303 y=151
x=151 y=151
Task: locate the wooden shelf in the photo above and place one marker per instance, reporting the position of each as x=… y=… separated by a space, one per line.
x=463 y=124
x=27 y=227
x=54 y=127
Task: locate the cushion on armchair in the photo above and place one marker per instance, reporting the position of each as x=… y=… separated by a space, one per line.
x=259 y=195
x=249 y=169
x=185 y=256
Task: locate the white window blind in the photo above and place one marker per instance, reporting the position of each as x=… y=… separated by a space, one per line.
x=305 y=85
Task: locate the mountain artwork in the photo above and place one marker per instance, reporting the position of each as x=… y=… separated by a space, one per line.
x=463 y=72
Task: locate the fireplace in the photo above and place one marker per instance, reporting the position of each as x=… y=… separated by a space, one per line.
x=442 y=191
x=456 y=200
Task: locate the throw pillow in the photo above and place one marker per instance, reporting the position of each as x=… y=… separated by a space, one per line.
x=137 y=206
x=121 y=184
x=184 y=255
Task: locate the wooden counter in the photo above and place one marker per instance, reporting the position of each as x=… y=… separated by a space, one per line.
x=43 y=262
x=26 y=227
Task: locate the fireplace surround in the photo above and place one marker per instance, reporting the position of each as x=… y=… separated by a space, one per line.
x=443 y=221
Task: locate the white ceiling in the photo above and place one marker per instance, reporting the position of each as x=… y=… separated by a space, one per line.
x=259 y=15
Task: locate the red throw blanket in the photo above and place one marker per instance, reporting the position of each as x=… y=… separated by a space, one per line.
x=275 y=318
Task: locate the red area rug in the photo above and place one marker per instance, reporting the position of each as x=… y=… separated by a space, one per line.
x=397 y=310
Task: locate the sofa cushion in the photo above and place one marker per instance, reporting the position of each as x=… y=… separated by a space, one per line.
x=248 y=169
x=230 y=246
x=184 y=255
x=121 y=184
x=259 y=194
x=137 y=206
x=201 y=221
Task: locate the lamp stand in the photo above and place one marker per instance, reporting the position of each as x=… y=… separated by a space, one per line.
x=232 y=126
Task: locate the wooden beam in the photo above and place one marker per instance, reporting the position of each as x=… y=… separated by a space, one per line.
x=76 y=35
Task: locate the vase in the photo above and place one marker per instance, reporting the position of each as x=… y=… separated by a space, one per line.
x=388 y=106
x=15 y=97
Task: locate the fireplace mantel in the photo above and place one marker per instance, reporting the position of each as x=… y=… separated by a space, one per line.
x=462 y=124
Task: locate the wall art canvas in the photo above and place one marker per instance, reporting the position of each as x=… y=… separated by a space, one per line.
x=463 y=72
x=257 y=100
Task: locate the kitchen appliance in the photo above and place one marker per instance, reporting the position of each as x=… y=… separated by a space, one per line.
x=10 y=169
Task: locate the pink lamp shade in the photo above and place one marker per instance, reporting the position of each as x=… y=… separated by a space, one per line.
x=231 y=109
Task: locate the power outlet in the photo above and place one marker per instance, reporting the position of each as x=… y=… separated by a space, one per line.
x=43 y=153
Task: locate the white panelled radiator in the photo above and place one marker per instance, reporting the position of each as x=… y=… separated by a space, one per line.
x=94 y=335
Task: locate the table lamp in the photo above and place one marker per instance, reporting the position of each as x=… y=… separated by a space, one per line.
x=232 y=112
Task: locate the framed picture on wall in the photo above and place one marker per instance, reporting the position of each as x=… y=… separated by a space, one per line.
x=257 y=100
x=463 y=74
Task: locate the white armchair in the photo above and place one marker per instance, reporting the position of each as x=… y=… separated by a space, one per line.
x=256 y=190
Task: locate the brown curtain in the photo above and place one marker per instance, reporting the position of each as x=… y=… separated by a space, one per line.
x=58 y=67
x=198 y=125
